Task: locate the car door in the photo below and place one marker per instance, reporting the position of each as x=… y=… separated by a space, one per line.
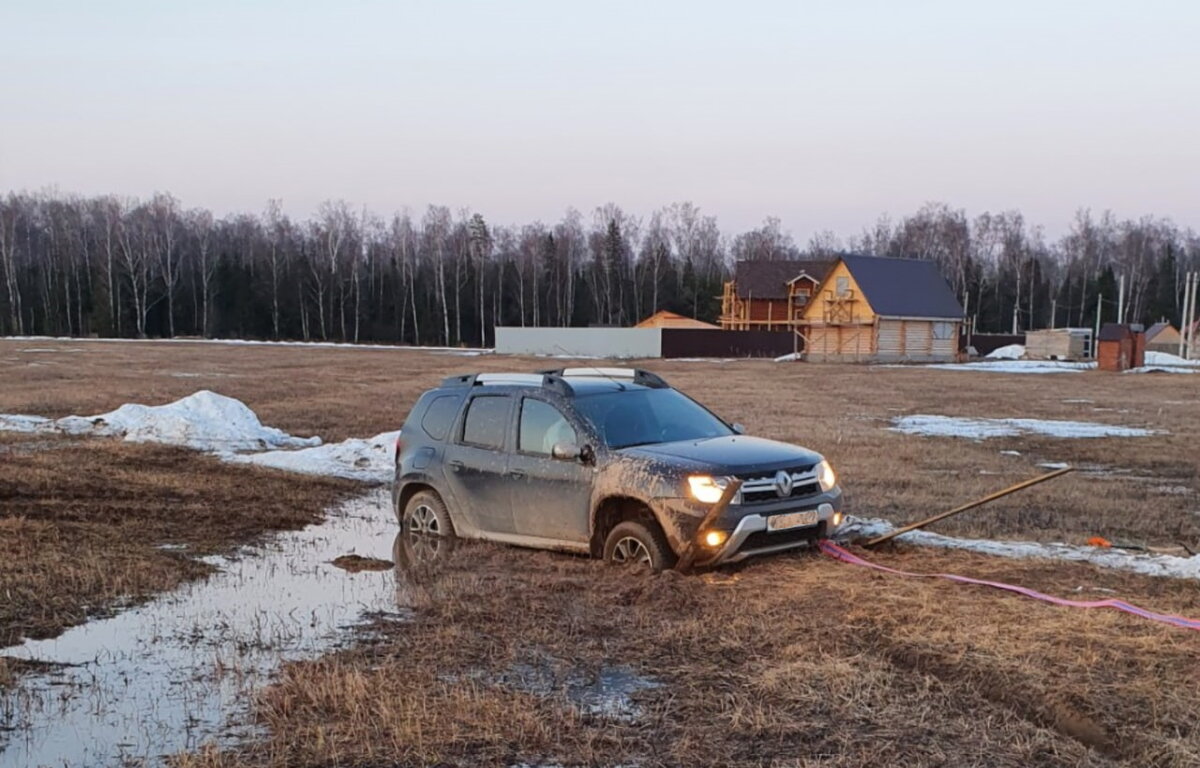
x=550 y=497
x=477 y=463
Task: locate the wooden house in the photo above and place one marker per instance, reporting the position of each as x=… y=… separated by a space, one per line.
x=770 y=295
x=665 y=319
x=1163 y=337
x=878 y=309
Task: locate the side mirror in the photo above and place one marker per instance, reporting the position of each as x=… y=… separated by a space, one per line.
x=738 y=428
x=566 y=451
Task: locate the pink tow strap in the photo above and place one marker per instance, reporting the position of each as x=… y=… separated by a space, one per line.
x=838 y=553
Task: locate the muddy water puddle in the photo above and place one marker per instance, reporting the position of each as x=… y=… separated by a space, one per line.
x=181 y=670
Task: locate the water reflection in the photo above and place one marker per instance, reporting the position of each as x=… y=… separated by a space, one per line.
x=180 y=671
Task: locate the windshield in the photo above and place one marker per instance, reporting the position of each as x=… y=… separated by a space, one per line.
x=645 y=416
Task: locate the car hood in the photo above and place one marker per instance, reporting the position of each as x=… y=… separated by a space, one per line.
x=731 y=455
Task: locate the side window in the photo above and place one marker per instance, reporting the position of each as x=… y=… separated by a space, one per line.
x=843 y=286
x=440 y=415
x=541 y=427
x=486 y=422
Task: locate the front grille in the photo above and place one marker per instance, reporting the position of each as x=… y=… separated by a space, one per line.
x=760 y=488
x=762 y=539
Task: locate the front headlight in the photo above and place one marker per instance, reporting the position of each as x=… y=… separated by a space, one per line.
x=707 y=489
x=826 y=477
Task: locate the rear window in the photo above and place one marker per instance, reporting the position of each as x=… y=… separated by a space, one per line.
x=486 y=422
x=439 y=416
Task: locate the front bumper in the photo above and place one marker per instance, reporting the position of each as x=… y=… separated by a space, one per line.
x=750 y=537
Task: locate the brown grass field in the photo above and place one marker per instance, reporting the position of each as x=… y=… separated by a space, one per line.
x=786 y=661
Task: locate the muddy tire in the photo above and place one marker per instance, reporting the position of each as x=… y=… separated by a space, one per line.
x=636 y=543
x=426 y=514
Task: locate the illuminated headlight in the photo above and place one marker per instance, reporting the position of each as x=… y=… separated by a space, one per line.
x=826 y=476
x=706 y=489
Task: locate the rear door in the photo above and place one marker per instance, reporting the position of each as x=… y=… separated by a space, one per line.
x=477 y=464
x=550 y=497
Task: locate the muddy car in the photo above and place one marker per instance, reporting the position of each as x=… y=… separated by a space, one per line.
x=611 y=462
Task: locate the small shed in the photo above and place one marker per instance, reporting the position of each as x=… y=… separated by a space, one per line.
x=1059 y=344
x=665 y=319
x=1121 y=347
x=1163 y=337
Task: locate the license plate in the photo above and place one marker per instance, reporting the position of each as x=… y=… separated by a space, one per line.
x=792 y=520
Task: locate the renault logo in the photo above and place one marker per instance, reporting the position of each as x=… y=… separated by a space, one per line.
x=783 y=483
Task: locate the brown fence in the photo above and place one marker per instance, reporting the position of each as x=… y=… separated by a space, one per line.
x=700 y=342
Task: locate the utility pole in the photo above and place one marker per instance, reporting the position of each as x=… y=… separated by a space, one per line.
x=1121 y=299
x=1014 y=328
x=1183 y=313
x=1099 y=308
x=1190 y=351
x=1053 y=314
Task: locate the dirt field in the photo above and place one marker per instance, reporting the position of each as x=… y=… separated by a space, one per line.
x=790 y=661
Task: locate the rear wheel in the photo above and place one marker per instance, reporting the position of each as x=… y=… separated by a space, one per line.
x=426 y=525
x=636 y=543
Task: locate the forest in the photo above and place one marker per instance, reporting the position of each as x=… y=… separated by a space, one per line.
x=118 y=267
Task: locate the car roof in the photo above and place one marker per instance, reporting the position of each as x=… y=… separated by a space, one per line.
x=568 y=382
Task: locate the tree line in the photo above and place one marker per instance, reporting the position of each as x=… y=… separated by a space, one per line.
x=117 y=267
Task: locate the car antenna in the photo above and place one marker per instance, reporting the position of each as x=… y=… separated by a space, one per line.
x=597 y=369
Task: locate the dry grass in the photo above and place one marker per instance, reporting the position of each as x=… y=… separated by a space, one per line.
x=789 y=661
x=81 y=523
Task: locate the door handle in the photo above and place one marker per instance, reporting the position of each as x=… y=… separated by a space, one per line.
x=455 y=466
x=516 y=474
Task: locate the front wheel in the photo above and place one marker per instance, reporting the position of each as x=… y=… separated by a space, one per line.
x=634 y=543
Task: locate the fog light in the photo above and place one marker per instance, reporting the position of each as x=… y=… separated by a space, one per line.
x=836 y=520
x=714 y=539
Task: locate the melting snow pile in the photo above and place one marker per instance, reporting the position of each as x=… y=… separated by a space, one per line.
x=371 y=460
x=1010 y=352
x=1150 y=564
x=1163 y=362
x=1165 y=358
x=204 y=421
x=982 y=429
x=790 y=357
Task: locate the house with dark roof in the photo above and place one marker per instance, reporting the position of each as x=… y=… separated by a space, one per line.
x=770 y=295
x=1163 y=337
x=868 y=308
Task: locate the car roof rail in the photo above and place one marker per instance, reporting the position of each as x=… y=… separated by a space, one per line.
x=545 y=379
x=638 y=376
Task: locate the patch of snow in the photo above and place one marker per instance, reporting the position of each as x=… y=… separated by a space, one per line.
x=15 y=422
x=1077 y=400
x=371 y=460
x=1009 y=352
x=1162 y=369
x=1010 y=453
x=982 y=429
x=1145 y=563
x=791 y=357
x=1053 y=465
x=1166 y=358
x=1016 y=366
x=204 y=421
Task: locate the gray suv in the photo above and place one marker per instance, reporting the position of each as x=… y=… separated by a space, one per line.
x=610 y=462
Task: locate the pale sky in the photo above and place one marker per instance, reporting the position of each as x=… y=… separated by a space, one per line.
x=825 y=114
